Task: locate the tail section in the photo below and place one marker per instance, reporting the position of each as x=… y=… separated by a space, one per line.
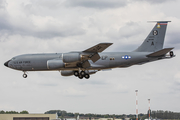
x=155 y=40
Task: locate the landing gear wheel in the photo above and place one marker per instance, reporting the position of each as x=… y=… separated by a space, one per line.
x=76 y=73
x=82 y=73
x=24 y=75
x=80 y=76
x=86 y=76
x=171 y=53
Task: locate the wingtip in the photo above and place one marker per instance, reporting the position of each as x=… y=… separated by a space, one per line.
x=106 y=43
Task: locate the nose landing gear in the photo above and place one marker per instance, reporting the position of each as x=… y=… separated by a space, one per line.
x=24 y=75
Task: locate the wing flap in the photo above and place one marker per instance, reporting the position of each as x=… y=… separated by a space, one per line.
x=86 y=64
x=160 y=52
x=95 y=57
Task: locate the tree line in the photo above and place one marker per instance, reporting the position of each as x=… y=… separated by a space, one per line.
x=165 y=114
x=64 y=114
x=159 y=114
x=14 y=112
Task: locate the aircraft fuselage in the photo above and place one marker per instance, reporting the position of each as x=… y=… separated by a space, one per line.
x=38 y=62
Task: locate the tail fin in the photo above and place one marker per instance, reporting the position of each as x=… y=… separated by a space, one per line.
x=155 y=39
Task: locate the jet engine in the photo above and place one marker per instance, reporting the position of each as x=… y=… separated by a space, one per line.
x=67 y=72
x=91 y=71
x=71 y=57
x=55 y=64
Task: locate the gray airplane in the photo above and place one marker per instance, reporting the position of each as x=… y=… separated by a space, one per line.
x=84 y=63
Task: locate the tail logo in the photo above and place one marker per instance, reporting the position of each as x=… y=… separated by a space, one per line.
x=155 y=32
x=158 y=25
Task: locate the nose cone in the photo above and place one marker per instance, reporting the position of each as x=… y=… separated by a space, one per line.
x=6 y=63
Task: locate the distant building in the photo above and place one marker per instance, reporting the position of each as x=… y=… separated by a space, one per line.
x=105 y=118
x=127 y=118
x=69 y=118
x=27 y=116
x=117 y=119
x=83 y=118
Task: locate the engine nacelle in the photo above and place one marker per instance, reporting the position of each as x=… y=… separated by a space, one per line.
x=55 y=64
x=71 y=57
x=170 y=54
x=67 y=72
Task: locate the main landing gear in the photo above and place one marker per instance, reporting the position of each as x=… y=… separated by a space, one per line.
x=81 y=74
x=24 y=75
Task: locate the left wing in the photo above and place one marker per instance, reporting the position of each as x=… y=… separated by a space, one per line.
x=88 y=54
x=98 y=48
x=94 y=56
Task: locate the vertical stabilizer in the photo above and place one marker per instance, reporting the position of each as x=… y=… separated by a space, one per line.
x=155 y=39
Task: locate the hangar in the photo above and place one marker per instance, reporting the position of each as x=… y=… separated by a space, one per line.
x=28 y=116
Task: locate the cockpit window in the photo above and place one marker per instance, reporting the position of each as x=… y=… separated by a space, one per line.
x=13 y=58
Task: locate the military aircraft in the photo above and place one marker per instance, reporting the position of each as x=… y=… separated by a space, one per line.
x=84 y=63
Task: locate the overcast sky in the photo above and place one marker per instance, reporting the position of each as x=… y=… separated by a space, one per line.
x=47 y=26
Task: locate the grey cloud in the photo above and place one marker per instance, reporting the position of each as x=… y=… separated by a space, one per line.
x=175 y=88
x=173 y=39
x=73 y=31
x=153 y=1
x=49 y=32
x=94 y=82
x=49 y=4
x=126 y=31
x=98 y=4
x=3 y=4
x=26 y=24
x=48 y=84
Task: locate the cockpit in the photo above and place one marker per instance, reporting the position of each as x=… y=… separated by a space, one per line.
x=13 y=58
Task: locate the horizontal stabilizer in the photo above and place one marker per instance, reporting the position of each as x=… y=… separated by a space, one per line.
x=160 y=52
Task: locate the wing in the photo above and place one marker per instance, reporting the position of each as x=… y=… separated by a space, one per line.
x=89 y=54
x=98 y=48
x=94 y=56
